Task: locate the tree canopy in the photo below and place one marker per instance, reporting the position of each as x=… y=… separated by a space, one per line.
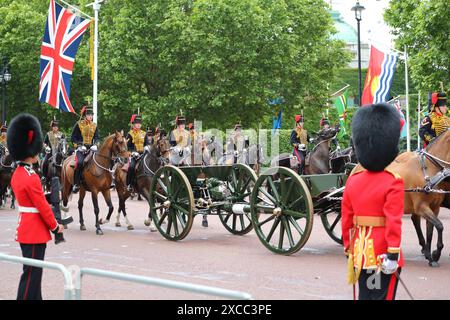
x=217 y=61
x=423 y=27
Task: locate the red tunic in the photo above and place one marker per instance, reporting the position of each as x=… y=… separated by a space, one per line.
x=373 y=194
x=32 y=227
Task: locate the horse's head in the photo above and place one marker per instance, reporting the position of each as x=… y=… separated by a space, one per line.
x=440 y=146
x=119 y=145
x=326 y=134
x=163 y=146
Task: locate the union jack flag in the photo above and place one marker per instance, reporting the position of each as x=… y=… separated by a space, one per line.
x=63 y=33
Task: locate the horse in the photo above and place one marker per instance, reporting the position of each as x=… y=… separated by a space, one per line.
x=59 y=153
x=153 y=158
x=6 y=169
x=317 y=161
x=422 y=172
x=96 y=175
x=339 y=158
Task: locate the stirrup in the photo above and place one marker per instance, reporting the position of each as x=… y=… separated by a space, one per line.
x=130 y=188
x=75 y=188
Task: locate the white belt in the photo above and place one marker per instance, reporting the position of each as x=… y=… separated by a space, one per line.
x=28 y=209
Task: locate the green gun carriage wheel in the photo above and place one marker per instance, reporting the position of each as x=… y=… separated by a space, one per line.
x=240 y=184
x=282 y=210
x=171 y=195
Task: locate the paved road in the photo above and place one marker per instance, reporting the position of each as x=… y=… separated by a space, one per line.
x=210 y=256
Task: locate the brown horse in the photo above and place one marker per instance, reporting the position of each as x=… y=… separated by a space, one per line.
x=155 y=157
x=415 y=168
x=409 y=166
x=317 y=161
x=96 y=175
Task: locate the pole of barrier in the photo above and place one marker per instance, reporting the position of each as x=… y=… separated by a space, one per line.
x=214 y=291
x=68 y=284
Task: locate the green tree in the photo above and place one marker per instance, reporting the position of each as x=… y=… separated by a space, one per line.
x=423 y=27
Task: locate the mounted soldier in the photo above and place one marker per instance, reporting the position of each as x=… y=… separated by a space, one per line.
x=151 y=135
x=299 y=140
x=137 y=141
x=84 y=138
x=51 y=142
x=325 y=125
x=3 y=136
x=437 y=121
x=179 y=140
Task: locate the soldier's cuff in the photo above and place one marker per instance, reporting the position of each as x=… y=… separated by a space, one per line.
x=393 y=253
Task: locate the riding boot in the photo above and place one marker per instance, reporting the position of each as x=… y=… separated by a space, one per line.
x=77 y=180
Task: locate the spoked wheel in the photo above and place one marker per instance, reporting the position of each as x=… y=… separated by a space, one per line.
x=331 y=220
x=282 y=210
x=240 y=185
x=171 y=196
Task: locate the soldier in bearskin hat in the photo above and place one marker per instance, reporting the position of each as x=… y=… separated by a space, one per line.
x=372 y=206
x=36 y=216
x=299 y=140
x=84 y=138
x=437 y=121
x=179 y=136
x=51 y=141
x=137 y=141
x=3 y=135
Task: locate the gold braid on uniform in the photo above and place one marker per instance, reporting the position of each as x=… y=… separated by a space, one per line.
x=138 y=137
x=439 y=123
x=87 y=130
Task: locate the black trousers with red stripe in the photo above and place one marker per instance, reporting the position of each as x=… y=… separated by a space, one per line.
x=30 y=281
x=373 y=286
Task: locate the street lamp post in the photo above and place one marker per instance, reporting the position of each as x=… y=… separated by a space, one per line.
x=358 y=9
x=5 y=76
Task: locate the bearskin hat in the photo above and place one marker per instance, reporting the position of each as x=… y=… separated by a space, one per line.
x=54 y=123
x=237 y=126
x=151 y=131
x=376 y=132
x=24 y=137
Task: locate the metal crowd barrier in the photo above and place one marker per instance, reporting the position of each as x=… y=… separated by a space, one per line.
x=68 y=284
x=73 y=280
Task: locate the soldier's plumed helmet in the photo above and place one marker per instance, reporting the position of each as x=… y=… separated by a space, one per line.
x=324 y=121
x=24 y=137
x=439 y=99
x=54 y=123
x=376 y=132
x=180 y=120
x=87 y=110
x=136 y=118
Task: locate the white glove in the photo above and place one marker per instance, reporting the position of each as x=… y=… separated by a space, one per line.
x=94 y=148
x=301 y=147
x=47 y=149
x=338 y=148
x=82 y=148
x=388 y=266
x=135 y=154
x=311 y=140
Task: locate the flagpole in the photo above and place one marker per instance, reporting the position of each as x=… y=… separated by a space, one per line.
x=96 y=6
x=340 y=90
x=408 y=136
x=418 y=122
